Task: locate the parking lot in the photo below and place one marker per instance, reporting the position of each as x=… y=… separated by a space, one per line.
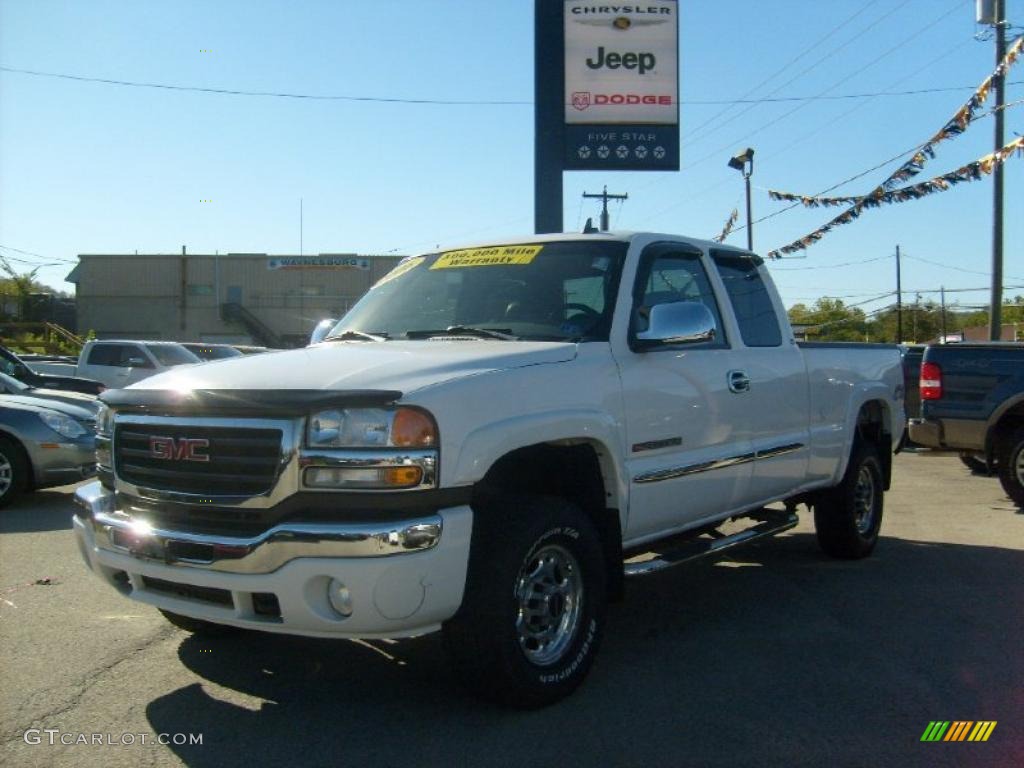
x=772 y=656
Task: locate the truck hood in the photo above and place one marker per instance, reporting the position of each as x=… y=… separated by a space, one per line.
x=406 y=366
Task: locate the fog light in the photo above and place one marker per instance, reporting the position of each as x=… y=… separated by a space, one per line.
x=339 y=597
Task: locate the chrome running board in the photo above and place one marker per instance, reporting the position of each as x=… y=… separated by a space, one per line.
x=769 y=522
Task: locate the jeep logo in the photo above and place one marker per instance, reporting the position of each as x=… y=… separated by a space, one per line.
x=178 y=449
x=643 y=62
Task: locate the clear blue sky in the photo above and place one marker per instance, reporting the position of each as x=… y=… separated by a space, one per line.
x=94 y=168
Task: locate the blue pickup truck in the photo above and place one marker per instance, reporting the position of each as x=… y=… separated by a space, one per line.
x=972 y=400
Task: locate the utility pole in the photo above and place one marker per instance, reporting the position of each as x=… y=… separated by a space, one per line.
x=942 y=293
x=605 y=197
x=899 y=300
x=997 y=18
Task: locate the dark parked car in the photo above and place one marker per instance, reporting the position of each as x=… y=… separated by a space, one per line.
x=14 y=366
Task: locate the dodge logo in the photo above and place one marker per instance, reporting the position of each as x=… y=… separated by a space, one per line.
x=581 y=99
x=178 y=449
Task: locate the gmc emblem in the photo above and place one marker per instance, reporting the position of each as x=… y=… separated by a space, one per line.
x=178 y=449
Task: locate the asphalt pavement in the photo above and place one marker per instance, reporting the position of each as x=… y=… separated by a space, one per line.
x=773 y=656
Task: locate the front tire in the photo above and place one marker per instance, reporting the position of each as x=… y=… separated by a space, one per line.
x=1010 y=463
x=13 y=471
x=847 y=518
x=532 y=615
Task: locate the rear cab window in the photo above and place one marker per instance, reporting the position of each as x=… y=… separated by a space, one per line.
x=105 y=354
x=751 y=302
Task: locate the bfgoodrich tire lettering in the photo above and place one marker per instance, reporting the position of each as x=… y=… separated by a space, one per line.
x=532 y=617
x=847 y=518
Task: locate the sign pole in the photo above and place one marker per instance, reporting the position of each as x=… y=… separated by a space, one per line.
x=549 y=111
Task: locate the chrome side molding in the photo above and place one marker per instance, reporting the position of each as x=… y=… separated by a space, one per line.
x=706 y=466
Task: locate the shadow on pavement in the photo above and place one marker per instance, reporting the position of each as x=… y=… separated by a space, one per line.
x=777 y=656
x=38 y=511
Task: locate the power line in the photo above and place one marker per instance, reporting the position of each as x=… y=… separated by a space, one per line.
x=838 y=97
x=718 y=152
x=37 y=255
x=862 y=174
x=957 y=269
x=812 y=67
x=782 y=69
x=830 y=266
x=459 y=102
x=274 y=94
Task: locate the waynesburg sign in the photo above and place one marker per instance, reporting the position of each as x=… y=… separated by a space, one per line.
x=621 y=106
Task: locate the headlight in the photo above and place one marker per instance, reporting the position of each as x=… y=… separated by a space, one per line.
x=61 y=424
x=104 y=420
x=371 y=428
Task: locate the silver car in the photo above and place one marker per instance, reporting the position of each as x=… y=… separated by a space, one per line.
x=43 y=443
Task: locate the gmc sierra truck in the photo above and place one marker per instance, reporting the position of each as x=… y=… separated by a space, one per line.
x=487 y=444
x=972 y=402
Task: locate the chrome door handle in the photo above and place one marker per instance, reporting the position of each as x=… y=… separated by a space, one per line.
x=738 y=381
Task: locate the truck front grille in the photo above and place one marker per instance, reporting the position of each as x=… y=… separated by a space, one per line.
x=204 y=460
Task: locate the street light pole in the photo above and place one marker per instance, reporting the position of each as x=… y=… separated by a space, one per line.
x=995 y=326
x=744 y=163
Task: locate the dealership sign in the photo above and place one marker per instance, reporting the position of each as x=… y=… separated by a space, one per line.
x=621 y=104
x=324 y=261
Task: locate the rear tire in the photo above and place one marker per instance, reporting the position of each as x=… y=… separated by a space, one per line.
x=532 y=615
x=14 y=470
x=847 y=518
x=1010 y=461
x=197 y=626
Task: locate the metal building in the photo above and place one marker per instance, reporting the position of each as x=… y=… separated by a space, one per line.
x=236 y=298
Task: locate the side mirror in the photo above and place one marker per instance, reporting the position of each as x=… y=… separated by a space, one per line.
x=678 y=322
x=321 y=330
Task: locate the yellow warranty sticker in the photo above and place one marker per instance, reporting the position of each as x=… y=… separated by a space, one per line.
x=487 y=257
x=403 y=266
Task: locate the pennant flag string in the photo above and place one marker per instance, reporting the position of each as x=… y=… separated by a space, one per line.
x=983 y=166
x=954 y=127
x=729 y=224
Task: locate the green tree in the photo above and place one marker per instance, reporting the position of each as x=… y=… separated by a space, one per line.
x=830 y=320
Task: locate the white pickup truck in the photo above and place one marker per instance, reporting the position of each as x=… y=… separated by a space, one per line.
x=117 y=363
x=486 y=445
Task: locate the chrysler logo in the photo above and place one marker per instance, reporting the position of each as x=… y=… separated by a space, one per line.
x=178 y=449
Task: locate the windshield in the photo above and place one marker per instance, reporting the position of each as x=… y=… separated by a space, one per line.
x=171 y=355
x=560 y=291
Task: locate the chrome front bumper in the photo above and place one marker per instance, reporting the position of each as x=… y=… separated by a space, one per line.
x=404 y=578
x=264 y=553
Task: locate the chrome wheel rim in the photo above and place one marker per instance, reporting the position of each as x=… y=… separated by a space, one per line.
x=549 y=597
x=1020 y=465
x=6 y=475
x=864 y=500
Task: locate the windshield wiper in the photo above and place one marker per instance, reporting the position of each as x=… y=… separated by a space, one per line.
x=347 y=335
x=502 y=334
